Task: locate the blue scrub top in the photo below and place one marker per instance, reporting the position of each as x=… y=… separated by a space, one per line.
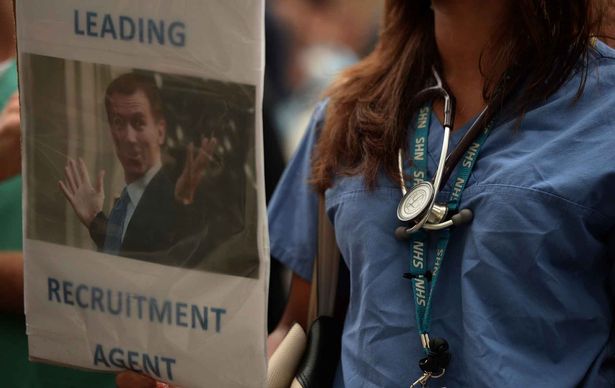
x=525 y=295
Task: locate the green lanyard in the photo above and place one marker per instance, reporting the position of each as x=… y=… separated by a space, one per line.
x=424 y=280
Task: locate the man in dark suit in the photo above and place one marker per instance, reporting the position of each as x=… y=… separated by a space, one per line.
x=152 y=213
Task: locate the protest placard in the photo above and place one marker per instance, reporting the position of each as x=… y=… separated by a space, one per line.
x=145 y=227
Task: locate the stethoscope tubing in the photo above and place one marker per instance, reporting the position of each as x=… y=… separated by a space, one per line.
x=448 y=165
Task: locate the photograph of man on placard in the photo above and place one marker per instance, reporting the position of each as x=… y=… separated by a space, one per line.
x=143 y=165
x=151 y=214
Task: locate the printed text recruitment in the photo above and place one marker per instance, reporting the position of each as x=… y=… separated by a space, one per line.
x=134 y=306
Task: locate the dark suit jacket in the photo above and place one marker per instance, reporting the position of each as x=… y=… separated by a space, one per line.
x=157 y=223
x=163 y=231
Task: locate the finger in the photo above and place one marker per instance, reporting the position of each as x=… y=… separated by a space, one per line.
x=12 y=106
x=189 y=157
x=201 y=160
x=100 y=182
x=83 y=172
x=75 y=172
x=204 y=143
x=12 y=120
x=68 y=173
x=67 y=192
x=211 y=147
x=206 y=152
x=209 y=144
x=9 y=125
x=134 y=380
x=203 y=146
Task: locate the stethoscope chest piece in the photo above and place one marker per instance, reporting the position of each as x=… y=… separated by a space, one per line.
x=416 y=203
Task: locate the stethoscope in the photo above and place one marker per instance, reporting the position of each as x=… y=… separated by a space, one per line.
x=418 y=205
x=419 y=210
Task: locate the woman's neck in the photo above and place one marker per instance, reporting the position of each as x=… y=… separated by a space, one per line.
x=464 y=30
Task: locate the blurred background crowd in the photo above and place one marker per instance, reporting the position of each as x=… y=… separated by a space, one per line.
x=308 y=42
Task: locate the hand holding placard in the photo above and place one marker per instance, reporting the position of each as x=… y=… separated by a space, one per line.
x=10 y=136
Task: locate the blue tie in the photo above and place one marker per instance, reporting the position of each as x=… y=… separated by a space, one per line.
x=115 y=224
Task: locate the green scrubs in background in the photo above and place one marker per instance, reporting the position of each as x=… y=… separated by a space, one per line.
x=15 y=369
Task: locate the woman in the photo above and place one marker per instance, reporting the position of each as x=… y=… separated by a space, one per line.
x=523 y=295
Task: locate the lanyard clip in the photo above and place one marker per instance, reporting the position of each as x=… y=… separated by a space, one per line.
x=438 y=356
x=422 y=381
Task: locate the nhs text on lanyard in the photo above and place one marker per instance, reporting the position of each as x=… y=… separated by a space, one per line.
x=424 y=280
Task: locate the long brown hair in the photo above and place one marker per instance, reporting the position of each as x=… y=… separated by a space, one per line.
x=541 y=45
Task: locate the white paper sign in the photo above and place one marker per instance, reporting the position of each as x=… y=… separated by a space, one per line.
x=145 y=226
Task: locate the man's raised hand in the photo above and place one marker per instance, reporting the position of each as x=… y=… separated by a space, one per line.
x=86 y=200
x=194 y=170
